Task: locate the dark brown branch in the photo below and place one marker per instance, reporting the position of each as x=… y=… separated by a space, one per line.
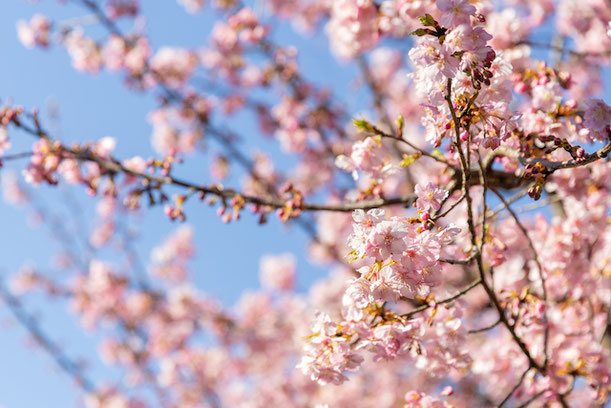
x=116 y=167
x=482 y=277
x=470 y=222
x=533 y=251
x=497 y=178
x=552 y=166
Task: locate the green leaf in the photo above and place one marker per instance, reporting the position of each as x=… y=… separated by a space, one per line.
x=437 y=153
x=421 y=32
x=400 y=122
x=428 y=21
x=362 y=124
x=409 y=159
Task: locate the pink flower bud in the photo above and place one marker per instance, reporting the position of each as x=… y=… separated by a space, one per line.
x=447 y=391
x=412 y=396
x=520 y=88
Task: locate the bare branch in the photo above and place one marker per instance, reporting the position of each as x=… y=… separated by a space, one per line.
x=514 y=389
x=441 y=302
x=563 y=49
x=29 y=323
x=539 y=269
x=485 y=328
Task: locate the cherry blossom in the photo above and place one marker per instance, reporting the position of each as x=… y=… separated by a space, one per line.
x=465 y=263
x=35 y=32
x=353 y=27
x=278 y=272
x=429 y=197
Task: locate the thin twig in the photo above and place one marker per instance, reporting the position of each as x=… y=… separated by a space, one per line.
x=564 y=50
x=539 y=268
x=460 y=261
x=452 y=207
x=15 y=156
x=511 y=200
x=441 y=302
x=485 y=328
x=378 y=97
x=515 y=388
x=29 y=323
x=531 y=399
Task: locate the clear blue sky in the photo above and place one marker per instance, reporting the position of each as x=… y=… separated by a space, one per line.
x=94 y=107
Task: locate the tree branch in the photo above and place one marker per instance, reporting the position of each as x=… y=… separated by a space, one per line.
x=29 y=323
x=563 y=49
x=552 y=166
x=539 y=269
x=465 y=186
x=441 y=302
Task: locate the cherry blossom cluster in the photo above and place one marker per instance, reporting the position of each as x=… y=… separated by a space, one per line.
x=34 y=32
x=403 y=263
x=353 y=27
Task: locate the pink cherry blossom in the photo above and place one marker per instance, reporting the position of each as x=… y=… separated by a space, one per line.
x=5 y=144
x=278 y=272
x=85 y=52
x=367 y=156
x=352 y=27
x=35 y=32
x=174 y=65
x=598 y=118
x=169 y=260
x=429 y=197
x=454 y=12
